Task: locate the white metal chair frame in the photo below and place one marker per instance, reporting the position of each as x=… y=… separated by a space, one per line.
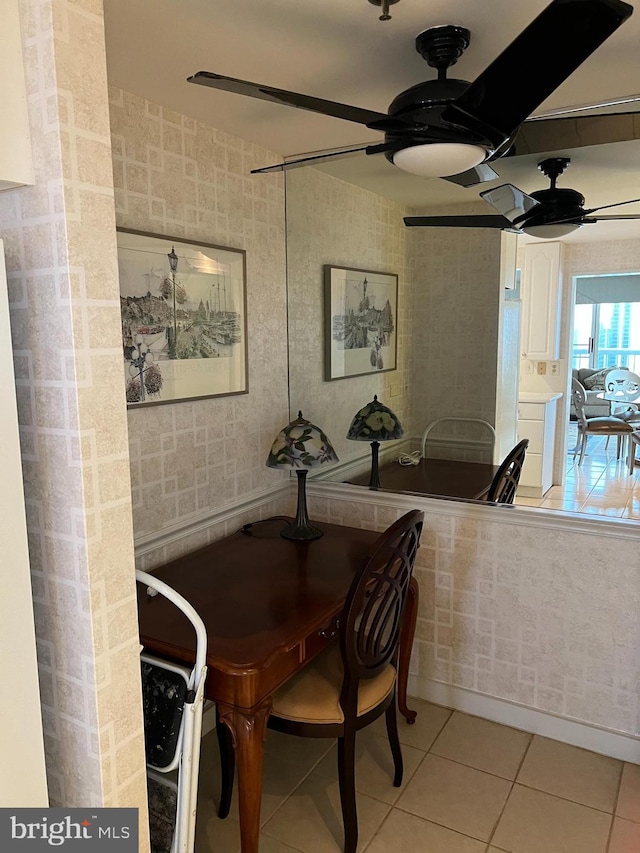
x=187 y=755
x=439 y=421
x=596 y=426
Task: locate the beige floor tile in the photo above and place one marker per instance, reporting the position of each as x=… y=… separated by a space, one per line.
x=374 y=766
x=427 y=727
x=628 y=805
x=588 y=508
x=625 y=837
x=573 y=773
x=458 y=797
x=534 y=822
x=305 y=751
x=271 y=845
x=562 y=503
x=406 y=833
x=311 y=819
x=482 y=744
x=522 y=501
x=215 y=834
x=280 y=778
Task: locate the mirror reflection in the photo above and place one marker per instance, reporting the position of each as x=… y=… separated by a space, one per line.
x=485 y=347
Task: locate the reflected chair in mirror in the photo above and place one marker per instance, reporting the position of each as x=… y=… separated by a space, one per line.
x=505 y=483
x=484 y=425
x=605 y=426
x=352 y=682
x=622 y=389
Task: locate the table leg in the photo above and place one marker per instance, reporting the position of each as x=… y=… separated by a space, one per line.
x=248 y=729
x=404 y=654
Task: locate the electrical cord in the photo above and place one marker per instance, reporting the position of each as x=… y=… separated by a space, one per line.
x=410 y=458
x=247 y=527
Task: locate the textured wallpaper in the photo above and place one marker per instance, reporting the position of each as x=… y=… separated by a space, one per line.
x=63 y=289
x=178 y=177
x=332 y=222
x=456 y=322
x=556 y=629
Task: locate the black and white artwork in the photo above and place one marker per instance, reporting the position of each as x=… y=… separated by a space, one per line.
x=361 y=308
x=183 y=312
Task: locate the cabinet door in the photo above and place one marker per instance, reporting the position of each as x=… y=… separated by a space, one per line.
x=541 y=293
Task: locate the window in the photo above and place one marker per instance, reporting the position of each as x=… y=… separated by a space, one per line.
x=606 y=333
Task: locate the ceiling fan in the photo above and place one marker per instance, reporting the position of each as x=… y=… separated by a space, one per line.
x=550 y=213
x=450 y=128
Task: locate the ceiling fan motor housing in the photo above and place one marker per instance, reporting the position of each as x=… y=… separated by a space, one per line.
x=425 y=102
x=556 y=205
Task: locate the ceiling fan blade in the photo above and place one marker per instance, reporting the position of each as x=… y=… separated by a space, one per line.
x=554 y=134
x=311 y=160
x=290 y=99
x=511 y=202
x=478 y=175
x=460 y=222
x=615 y=204
x=563 y=112
x=550 y=49
x=618 y=217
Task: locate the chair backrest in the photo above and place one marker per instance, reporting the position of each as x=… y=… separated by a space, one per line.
x=372 y=616
x=506 y=479
x=622 y=383
x=579 y=398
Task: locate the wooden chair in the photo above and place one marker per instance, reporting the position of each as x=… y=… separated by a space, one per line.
x=607 y=426
x=352 y=682
x=505 y=482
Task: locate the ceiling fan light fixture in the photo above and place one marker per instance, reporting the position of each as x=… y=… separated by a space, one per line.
x=552 y=232
x=439 y=159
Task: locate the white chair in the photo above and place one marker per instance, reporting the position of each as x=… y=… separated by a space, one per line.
x=595 y=426
x=460 y=420
x=173 y=698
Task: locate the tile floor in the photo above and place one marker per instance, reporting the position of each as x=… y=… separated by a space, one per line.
x=602 y=485
x=470 y=786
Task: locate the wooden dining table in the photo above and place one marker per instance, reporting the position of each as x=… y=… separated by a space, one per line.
x=439 y=477
x=269 y=606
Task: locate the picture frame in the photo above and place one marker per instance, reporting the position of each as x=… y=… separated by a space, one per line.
x=360 y=322
x=183 y=307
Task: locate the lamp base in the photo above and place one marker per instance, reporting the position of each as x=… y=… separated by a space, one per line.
x=300 y=529
x=301 y=532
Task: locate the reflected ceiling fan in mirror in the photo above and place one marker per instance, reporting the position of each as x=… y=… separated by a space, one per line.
x=547 y=214
x=451 y=128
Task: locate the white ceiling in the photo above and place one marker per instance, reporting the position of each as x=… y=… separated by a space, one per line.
x=339 y=50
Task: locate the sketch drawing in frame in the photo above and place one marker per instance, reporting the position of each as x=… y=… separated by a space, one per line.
x=184 y=318
x=361 y=310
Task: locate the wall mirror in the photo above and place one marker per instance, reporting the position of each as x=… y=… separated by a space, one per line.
x=457 y=325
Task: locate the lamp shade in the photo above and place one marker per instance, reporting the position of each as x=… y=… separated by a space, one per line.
x=375 y=422
x=302 y=445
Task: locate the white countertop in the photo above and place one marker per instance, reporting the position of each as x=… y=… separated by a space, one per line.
x=539 y=396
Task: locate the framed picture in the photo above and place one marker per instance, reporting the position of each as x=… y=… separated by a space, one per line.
x=361 y=310
x=183 y=307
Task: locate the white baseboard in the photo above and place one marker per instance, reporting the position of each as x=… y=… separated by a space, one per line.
x=616 y=745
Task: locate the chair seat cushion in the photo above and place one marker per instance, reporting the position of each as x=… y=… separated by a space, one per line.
x=607 y=425
x=313 y=694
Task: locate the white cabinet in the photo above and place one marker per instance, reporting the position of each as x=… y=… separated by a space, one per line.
x=541 y=294
x=537 y=422
x=16 y=165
